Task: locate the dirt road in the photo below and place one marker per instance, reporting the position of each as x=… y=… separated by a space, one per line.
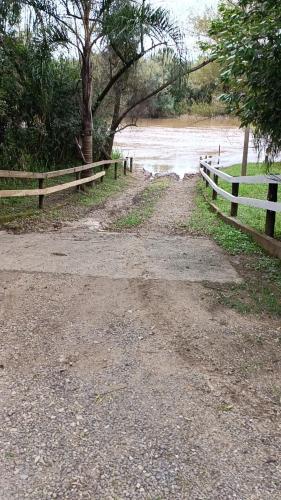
x=121 y=375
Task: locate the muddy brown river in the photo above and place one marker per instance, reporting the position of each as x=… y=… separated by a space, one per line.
x=175 y=145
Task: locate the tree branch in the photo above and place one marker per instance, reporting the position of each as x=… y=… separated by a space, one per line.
x=161 y=88
x=52 y=13
x=122 y=128
x=118 y=75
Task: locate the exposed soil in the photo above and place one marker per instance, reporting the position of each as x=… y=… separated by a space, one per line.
x=175 y=208
x=122 y=376
x=102 y=217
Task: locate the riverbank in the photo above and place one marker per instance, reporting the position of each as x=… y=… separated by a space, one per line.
x=191 y=120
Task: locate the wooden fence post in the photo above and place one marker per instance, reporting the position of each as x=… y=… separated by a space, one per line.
x=216 y=181
x=234 y=206
x=200 y=166
x=131 y=164
x=77 y=175
x=115 y=170
x=204 y=168
x=101 y=169
x=41 y=196
x=270 y=215
x=125 y=166
x=208 y=172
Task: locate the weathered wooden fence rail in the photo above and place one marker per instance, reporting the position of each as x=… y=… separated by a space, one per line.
x=42 y=191
x=271 y=205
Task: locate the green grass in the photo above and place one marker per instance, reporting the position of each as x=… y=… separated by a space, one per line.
x=59 y=205
x=145 y=205
x=116 y=154
x=251 y=216
x=24 y=206
x=261 y=291
x=205 y=222
x=252 y=297
x=104 y=190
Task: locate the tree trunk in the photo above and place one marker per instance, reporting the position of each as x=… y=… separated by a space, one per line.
x=115 y=120
x=87 y=119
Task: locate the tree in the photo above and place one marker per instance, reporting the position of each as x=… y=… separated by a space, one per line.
x=89 y=25
x=248 y=46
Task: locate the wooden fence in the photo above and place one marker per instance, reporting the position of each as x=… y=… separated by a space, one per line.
x=212 y=174
x=42 y=191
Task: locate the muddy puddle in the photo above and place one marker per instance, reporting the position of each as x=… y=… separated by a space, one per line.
x=175 y=145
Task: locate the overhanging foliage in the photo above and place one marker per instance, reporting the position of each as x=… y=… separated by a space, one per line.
x=247 y=44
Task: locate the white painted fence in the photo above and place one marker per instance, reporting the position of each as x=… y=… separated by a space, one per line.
x=271 y=205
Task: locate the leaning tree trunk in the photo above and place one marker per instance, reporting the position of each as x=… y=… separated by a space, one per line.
x=108 y=147
x=87 y=119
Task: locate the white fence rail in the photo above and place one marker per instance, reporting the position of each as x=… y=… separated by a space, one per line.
x=271 y=205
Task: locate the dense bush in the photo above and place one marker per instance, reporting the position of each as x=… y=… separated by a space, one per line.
x=39 y=107
x=247 y=42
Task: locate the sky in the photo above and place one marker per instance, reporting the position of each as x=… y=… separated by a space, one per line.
x=183 y=8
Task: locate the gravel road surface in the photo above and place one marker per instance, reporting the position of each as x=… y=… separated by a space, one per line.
x=122 y=377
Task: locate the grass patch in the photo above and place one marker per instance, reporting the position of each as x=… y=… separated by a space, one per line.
x=23 y=207
x=253 y=217
x=205 y=222
x=64 y=205
x=145 y=204
x=104 y=190
x=261 y=291
x=252 y=297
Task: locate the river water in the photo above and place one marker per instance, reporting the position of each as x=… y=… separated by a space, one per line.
x=175 y=145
